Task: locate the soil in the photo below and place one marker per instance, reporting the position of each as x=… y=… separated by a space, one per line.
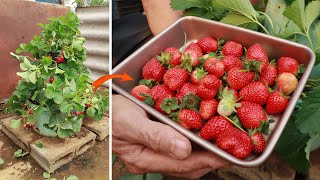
x=92 y=165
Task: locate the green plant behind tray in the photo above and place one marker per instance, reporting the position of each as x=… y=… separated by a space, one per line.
x=55 y=92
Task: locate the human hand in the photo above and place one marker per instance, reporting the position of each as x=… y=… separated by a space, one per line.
x=147 y=146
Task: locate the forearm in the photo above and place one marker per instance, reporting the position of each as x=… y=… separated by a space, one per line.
x=159 y=14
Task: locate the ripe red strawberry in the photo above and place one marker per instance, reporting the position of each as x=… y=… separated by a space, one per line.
x=214 y=66
x=186 y=89
x=196 y=75
x=269 y=74
x=206 y=93
x=139 y=90
x=76 y=113
x=287 y=83
x=256 y=52
x=232 y=48
x=208 y=44
x=174 y=78
x=30 y=111
x=238 y=78
x=251 y=114
x=208 y=86
x=214 y=127
x=235 y=142
x=88 y=105
x=191 y=118
x=231 y=62
x=255 y=92
x=276 y=103
x=153 y=70
x=160 y=90
x=166 y=104
x=175 y=56
x=60 y=59
x=287 y=64
x=183 y=124
x=51 y=79
x=194 y=51
x=259 y=143
x=208 y=108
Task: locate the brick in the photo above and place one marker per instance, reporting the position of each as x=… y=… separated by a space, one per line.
x=57 y=152
x=101 y=128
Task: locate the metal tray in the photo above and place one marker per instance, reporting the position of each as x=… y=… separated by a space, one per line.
x=196 y=28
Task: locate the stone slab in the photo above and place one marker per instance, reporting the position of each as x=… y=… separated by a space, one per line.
x=101 y=128
x=57 y=152
x=22 y=137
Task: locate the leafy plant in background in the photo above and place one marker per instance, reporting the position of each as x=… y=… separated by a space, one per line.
x=55 y=91
x=295 y=20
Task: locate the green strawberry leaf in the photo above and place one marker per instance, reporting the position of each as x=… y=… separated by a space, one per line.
x=148 y=100
x=243 y=7
x=150 y=83
x=169 y=104
x=236 y=19
x=191 y=101
x=164 y=58
x=186 y=63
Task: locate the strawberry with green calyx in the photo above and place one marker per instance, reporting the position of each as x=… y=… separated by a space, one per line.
x=264 y=126
x=148 y=100
x=139 y=91
x=254 y=66
x=186 y=89
x=287 y=83
x=197 y=75
x=288 y=64
x=258 y=54
x=166 y=105
x=235 y=142
x=190 y=101
x=164 y=58
x=230 y=62
x=175 y=77
x=269 y=74
x=186 y=62
x=190 y=118
x=255 y=92
x=208 y=86
x=228 y=103
x=214 y=66
x=214 y=127
x=160 y=90
x=258 y=141
x=232 y=48
x=208 y=44
x=193 y=52
x=175 y=56
x=276 y=103
x=251 y=114
x=154 y=70
x=208 y=108
x=148 y=82
x=238 y=78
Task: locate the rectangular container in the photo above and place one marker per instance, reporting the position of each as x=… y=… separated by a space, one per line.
x=196 y=28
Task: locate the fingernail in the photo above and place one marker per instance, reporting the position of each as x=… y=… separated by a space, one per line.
x=179 y=149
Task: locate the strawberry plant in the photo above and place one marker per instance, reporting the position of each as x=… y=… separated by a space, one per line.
x=295 y=20
x=55 y=91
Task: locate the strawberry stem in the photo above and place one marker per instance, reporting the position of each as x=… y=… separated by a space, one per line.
x=185 y=42
x=233 y=123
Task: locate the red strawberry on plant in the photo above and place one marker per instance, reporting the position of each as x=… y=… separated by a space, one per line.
x=175 y=56
x=197 y=74
x=191 y=55
x=255 y=92
x=276 y=103
x=214 y=66
x=160 y=90
x=208 y=108
x=259 y=143
x=232 y=48
x=191 y=118
x=269 y=74
x=208 y=44
x=174 y=78
x=60 y=59
x=257 y=53
x=287 y=64
x=30 y=111
x=251 y=114
x=230 y=62
x=153 y=70
x=287 y=83
x=238 y=78
x=139 y=90
x=88 y=105
x=166 y=105
x=51 y=79
x=186 y=89
x=214 y=127
x=235 y=142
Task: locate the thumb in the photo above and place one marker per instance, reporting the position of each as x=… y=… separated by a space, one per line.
x=163 y=138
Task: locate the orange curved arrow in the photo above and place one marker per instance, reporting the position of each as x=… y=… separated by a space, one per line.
x=124 y=77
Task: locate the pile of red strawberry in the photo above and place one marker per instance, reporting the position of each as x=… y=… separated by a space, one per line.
x=220 y=89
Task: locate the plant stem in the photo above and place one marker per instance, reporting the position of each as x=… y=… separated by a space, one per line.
x=233 y=123
x=271 y=23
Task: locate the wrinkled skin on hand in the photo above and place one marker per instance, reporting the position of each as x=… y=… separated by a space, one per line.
x=147 y=146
